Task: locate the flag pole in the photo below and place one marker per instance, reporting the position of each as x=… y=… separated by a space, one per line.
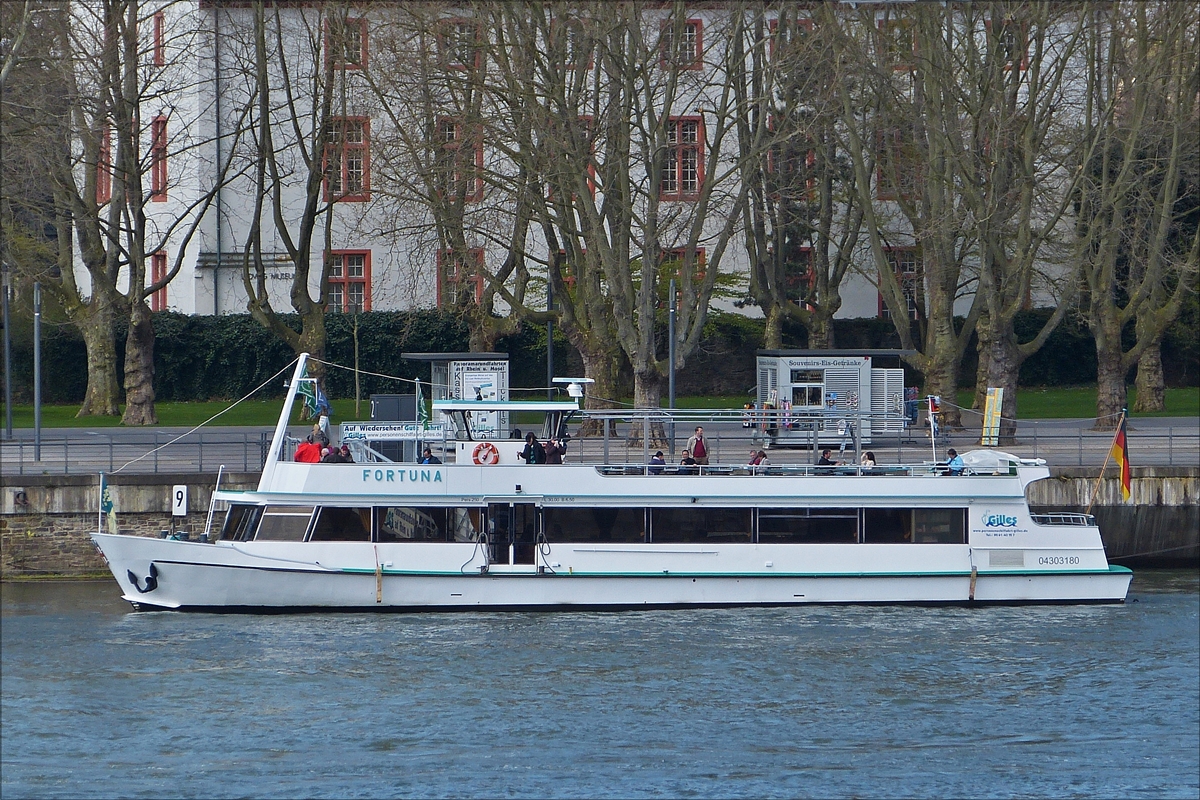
x=1107 y=457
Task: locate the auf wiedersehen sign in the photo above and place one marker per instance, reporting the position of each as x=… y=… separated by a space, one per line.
x=391 y=431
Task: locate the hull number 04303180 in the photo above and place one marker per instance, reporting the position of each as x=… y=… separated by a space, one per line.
x=1055 y=561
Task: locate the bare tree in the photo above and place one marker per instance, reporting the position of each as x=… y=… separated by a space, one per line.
x=896 y=120
x=803 y=216
x=1139 y=261
x=75 y=112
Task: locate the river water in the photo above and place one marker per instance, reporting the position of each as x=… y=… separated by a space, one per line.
x=1057 y=701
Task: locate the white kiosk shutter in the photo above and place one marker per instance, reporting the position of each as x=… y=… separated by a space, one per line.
x=887 y=397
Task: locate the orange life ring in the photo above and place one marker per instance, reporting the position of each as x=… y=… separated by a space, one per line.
x=485 y=453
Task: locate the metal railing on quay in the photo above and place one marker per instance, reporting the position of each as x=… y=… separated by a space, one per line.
x=619 y=438
x=134 y=453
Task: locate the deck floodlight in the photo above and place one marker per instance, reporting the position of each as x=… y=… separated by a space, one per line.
x=574 y=389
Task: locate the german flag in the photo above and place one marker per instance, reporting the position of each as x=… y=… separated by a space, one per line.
x=1120 y=454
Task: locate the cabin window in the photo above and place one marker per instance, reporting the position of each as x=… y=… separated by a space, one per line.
x=709 y=525
x=621 y=525
x=284 y=523
x=342 y=525
x=240 y=522
x=939 y=525
x=807 y=525
x=887 y=525
x=430 y=524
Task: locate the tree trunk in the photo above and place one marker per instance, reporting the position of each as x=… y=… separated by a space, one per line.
x=1110 y=387
x=773 y=331
x=1151 y=392
x=820 y=332
x=647 y=394
x=601 y=367
x=139 y=368
x=103 y=394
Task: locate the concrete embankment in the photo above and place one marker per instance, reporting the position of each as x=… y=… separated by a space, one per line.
x=45 y=520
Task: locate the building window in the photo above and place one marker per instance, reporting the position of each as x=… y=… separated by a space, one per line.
x=571 y=43
x=158 y=272
x=897 y=164
x=898 y=43
x=906 y=264
x=160 y=58
x=460 y=161
x=799 y=276
x=683 y=162
x=673 y=266
x=791 y=166
x=789 y=37
x=104 y=167
x=158 y=159
x=349 y=281
x=346 y=43
x=460 y=44
x=348 y=159
x=681 y=45
x=460 y=277
x=1009 y=42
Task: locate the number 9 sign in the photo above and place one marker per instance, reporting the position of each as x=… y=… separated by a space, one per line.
x=179 y=500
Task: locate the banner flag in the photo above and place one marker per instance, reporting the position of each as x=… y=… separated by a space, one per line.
x=1120 y=453
x=422 y=411
x=991 y=417
x=315 y=401
x=107 y=509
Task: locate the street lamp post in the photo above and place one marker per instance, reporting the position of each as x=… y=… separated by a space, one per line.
x=8 y=411
x=37 y=372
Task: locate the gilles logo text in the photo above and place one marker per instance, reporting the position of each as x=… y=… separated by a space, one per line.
x=998 y=520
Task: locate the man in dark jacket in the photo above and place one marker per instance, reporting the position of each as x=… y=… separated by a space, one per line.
x=533 y=453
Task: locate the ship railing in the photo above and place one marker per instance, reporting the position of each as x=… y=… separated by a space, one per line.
x=781 y=470
x=1063 y=518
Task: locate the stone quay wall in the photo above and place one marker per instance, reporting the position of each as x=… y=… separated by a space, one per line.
x=45 y=521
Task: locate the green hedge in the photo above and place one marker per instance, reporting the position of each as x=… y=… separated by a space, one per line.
x=210 y=358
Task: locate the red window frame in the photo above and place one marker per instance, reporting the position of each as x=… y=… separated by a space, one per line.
x=907 y=277
x=901 y=59
x=890 y=154
x=341 y=279
x=1020 y=31
x=778 y=165
x=337 y=44
x=776 y=41
x=348 y=158
x=158 y=272
x=158 y=159
x=104 y=167
x=676 y=255
x=451 y=136
x=668 y=58
x=447 y=260
x=160 y=57
x=450 y=38
x=677 y=162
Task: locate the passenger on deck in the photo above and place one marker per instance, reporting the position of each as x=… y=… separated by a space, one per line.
x=533 y=453
x=825 y=460
x=554 y=451
x=752 y=462
x=954 y=464
x=698 y=446
x=867 y=461
x=427 y=457
x=657 y=462
x=309 y=452
x=344 y=451
x=331 y=455
x=763 y=462
x=689 y=464
x=319 y=435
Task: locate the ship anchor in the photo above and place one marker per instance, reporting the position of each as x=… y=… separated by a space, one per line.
x=151 y=580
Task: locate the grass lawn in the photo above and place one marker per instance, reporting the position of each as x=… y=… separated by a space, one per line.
x=1054 y=403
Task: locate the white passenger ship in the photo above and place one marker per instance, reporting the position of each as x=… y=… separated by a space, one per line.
x=500 y=534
